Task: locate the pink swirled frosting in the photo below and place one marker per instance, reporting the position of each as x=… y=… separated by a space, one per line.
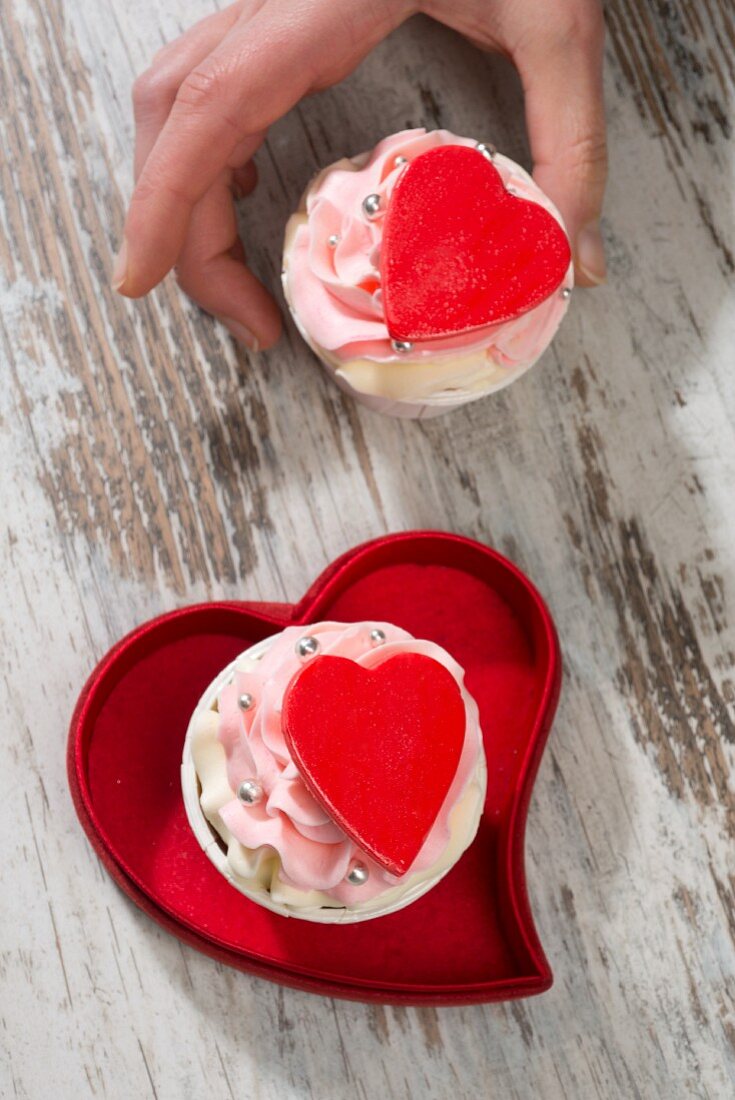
x=335 y=291
x=314 y=853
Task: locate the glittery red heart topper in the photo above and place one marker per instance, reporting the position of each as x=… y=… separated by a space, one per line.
x=378 y=748
x=460 y=252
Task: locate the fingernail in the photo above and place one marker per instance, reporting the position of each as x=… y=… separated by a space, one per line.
x=241 y=333
x=591 y=253
x=120 y=266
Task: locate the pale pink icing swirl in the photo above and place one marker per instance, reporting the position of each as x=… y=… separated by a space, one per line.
x=335 y=292
x=314 y=853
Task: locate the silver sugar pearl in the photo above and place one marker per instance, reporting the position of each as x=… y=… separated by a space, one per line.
x=245 y=701
x=371 y=205
x=399 y=161
x=488 y=151
x=511 y=190
x=377 y=637
x=566 y=293
x=250 y=792
x=358 y=874
x=333 y=240
x=307 y=647
x=402 y=346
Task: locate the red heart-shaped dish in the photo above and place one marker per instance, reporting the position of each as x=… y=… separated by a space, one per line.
x=471 y=938
x=397 y=730
x=459 y=252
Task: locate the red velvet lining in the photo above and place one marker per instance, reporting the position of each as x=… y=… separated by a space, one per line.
x=472 y=937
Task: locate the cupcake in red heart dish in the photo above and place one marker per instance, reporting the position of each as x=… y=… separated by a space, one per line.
x=427 y=273
x=335 y=772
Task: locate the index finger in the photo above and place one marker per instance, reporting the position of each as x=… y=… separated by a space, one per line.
x=220 y=111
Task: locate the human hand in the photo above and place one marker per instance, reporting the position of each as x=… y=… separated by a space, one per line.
x=205 y=105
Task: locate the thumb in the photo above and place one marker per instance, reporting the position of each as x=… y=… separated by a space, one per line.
x=565 y=115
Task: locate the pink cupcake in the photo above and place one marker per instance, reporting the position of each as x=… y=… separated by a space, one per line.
x=334 y=279
x=255 y=812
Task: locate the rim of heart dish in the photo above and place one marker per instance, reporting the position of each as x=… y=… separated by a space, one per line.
x=275 y=616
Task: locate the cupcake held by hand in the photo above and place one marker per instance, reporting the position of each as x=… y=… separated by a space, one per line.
x=336 y=772
x=426 y=273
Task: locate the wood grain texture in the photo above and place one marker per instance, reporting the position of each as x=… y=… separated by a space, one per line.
x=147 y=462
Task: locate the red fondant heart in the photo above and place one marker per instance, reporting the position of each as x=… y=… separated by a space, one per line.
x=378 y=748
x=471 y=937
x=460 y=252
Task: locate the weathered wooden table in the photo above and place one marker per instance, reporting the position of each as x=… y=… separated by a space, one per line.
x=146 y=462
